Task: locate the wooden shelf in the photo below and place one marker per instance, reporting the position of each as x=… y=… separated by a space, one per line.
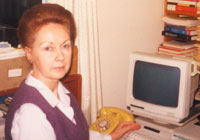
x=8 y=91
x=173 y=13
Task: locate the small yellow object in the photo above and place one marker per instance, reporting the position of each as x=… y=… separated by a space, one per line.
x=109 y=118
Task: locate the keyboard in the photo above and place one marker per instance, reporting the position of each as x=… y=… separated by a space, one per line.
x=138 y=135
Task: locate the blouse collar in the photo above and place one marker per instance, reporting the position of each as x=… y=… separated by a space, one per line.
x=47 y=93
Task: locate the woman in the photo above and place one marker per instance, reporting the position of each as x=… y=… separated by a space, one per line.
x=42 y=108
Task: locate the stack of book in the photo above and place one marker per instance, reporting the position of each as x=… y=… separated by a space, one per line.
x=183 y=6
x=181 y=33
x=177 y=48
x=180 y=28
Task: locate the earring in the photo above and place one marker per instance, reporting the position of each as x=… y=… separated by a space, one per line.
x=31 y=61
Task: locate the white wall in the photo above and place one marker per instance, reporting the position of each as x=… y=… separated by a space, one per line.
x=125 y=26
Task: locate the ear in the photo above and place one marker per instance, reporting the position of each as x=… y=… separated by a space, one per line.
x=28 y=52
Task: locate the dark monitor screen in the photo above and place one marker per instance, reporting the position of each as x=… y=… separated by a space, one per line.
x=156 y=84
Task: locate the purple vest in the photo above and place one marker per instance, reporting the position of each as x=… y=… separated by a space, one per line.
x=64 y=128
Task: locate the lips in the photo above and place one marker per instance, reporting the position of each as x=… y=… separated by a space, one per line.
x=59 y=67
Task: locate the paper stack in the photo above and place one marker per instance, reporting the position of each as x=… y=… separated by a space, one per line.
x=8 y=52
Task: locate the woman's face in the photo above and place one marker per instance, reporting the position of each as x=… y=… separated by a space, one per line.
x=50 y=52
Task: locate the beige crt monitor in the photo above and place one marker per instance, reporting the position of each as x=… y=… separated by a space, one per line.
x=161 y=87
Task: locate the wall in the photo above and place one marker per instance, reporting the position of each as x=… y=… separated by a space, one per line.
x=125 y=26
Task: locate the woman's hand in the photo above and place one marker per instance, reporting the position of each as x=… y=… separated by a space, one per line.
x=123 y=128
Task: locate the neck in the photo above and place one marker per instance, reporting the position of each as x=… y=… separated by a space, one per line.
x=53 y=86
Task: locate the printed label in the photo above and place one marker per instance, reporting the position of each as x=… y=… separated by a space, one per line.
x=14 y=72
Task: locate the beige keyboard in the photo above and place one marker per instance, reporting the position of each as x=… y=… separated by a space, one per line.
x=136 y=135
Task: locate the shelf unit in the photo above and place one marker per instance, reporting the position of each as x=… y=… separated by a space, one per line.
x=173 y=13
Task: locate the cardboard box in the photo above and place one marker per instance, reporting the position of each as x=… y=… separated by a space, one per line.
x=13 y=71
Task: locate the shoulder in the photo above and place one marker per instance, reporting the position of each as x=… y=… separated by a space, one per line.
x=28 y=115
x=29 y=111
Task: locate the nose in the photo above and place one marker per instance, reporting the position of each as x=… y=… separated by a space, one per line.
x=59 y=55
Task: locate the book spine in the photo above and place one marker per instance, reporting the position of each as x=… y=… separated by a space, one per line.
x=175 y=48
x=174 y=51
x=179 y=36
x=191 y=32
x=187 y=3
x=175 y=1
x=186 y=9
x=175 y=29
x=171 y=7
x=194 y=0
x=172 y=3
x=180 y=21
x=171 y=48
x=183 y=27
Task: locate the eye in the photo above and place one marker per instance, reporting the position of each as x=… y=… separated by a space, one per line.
x=67 y=46
x=48 y=48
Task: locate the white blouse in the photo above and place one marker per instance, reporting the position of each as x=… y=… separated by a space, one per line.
x=30 y=122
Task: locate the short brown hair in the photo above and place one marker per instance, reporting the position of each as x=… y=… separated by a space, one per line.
x=37 y=16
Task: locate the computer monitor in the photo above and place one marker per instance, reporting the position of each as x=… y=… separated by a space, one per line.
x=161 y=87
